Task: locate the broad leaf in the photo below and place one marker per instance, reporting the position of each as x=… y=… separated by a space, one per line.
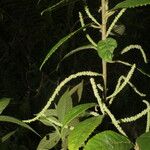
x=64 y=105
x=63 y=40
x=49 y=141
x=76 y=111
x=106 y=48
x=82 y=131
x=7 y=136
x=132 y=3
x=58 y=5
x=108 y=140
x=3 y=103
x=66 y=131
x=16 y=121
x=143 y=142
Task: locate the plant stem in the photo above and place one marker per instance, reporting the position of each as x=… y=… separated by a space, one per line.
x=103 y=30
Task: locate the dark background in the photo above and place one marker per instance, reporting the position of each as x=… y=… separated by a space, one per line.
x=25 y=39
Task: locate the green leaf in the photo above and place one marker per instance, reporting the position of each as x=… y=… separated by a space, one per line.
x=79 y=89
x=81 y=48
x=143 y=141
x=3 y=103
x=132 y=3
x=63 y=40
x=50 y=112
x=7 y=136
x=82 y=131
x=49 y=141
x=66 y=131
x=64 y=105
x=108 y=140
x=16 y=121
x=58 y=5
x=50 y=121
x=106 y=48
x=76 y=111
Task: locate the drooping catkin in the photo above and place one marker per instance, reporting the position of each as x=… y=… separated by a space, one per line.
x=148 y=116
x=95 y=91
x=104 y=108
x=115 y=21
x=135 y=117
x=128 y=77
x=87 y=35
x=91 y=16
x=114 y=121
x=128 y=48
x=132 y=86
x=57 y=90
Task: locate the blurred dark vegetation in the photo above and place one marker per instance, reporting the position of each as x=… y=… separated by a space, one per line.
x=25 y=39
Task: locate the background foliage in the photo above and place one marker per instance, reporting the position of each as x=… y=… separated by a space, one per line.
x=26 y=37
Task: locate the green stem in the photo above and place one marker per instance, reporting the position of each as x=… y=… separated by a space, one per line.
x=103 y=30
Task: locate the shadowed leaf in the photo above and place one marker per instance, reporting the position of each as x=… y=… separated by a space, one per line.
x=63 y=40
x=3 y=103
x=16 y=121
